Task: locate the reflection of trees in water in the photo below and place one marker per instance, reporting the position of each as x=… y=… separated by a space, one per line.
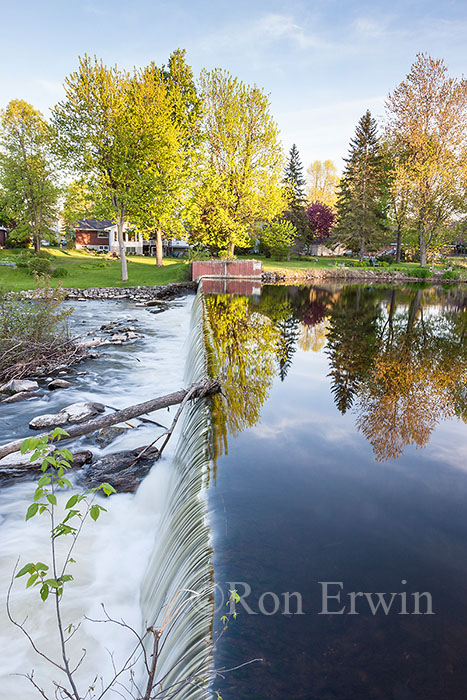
x=403 y=372
x=397 y=359
x=417 y=379
x=242 y=350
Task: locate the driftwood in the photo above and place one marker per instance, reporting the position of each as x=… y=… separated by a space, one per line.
x=204 y=388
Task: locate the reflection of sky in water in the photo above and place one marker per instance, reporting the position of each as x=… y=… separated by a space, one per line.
x=300 y=498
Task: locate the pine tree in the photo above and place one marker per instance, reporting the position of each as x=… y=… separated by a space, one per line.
x=288 y=334
x=361 y=202
x=294 y=184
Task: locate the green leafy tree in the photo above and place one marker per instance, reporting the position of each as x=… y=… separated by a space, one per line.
x=27 y=176
x=240 y=185
x=427 y=128
x=78 y=203
x=115 y=129
x=361 y=203
x=277 y=238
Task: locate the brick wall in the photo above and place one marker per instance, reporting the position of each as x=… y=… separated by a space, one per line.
x=91 y=238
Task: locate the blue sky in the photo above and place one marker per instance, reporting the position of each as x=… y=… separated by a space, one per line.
x=323 y=63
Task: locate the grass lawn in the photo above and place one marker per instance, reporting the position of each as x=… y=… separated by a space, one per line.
x=324 y=263
x=87 y=270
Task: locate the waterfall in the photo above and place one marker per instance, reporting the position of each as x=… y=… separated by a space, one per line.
x=182 y=556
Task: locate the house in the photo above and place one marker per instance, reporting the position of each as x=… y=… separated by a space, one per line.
x=3 y=235
x=101 y=235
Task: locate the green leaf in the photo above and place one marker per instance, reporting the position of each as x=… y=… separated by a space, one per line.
x=66 y=454
x=32 y=579
x=44 y=480
x=32 y=510
x=72 y=501
x=44 y=591
x=52 y=499
x=108 y=489
x=24 y=447
x=25 y=570
x=38 y=494
x=41 y=567
x=94 y=512
x=53 y=583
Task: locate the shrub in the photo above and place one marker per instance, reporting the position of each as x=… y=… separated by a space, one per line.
x=278 y=237
x=386 y=258
x=421 y=272
x=226 y=255
x=450 y=275
x=44 y=254
x=40 y=266
x=60 y=271
x=360 y=263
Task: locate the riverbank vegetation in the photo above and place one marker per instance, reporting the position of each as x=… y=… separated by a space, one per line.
x=201 y=159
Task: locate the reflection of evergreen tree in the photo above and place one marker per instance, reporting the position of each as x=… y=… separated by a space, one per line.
x=287 y=344
x=351 y=343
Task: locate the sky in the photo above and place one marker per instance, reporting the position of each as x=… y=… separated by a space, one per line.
x=322 y=63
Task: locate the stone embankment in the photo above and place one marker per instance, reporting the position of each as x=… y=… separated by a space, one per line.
x=138 y=294
x=345 y=274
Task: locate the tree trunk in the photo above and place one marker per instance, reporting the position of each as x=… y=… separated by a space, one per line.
x=231 y=247
x=121 y=245
x=362 y=250
x=422 y=243
x=399 y=244
x=159 y=251
x=205 y=387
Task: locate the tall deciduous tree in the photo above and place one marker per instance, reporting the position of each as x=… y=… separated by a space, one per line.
x=26 y=173
x=322 y=182
x=243 y=163
x=115 y=128
x=361 y=203
x=321 y=221
x=427 y=123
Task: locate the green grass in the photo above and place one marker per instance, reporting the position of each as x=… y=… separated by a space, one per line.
x=326 y=263
x=85 y=270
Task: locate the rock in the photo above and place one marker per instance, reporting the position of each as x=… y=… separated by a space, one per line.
x=82 y=410
x=75 y=413
x=92 y=343
x=118 y=337
x=59 y=384
x=17 y=466
x=116 y=469
x=106 y=435
x=14 y=386
x=19 y=396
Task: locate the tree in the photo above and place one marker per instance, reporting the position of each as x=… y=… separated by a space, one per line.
x=427 y=124
x=323 y=180
x=277 y=238
x=26 y=174
x=241 y=176
x=361 y=201
x=115 y=128
x=294 y=184
x=399 y=186
x=165 y=207
x=78 y=204
x=322 y=219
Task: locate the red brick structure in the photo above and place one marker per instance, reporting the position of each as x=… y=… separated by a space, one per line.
x=91 y=233
x=3 y=235
x=249 y=269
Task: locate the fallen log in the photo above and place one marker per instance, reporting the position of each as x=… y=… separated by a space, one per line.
x=198 y=390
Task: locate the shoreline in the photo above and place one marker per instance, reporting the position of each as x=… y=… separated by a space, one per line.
x=350 y=275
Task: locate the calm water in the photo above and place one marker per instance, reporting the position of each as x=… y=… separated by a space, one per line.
x=340 y=455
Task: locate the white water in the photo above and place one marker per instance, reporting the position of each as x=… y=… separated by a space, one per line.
x=112 y=554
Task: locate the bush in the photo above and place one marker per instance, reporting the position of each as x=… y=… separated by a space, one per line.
x=226 y=255
x=360 y=263
x=450 y=275
x=277 y=238
x=421 y=272
x=386 y=258
x=60 y=271
x=32 y=333
x=40 y=266
x=44 y=254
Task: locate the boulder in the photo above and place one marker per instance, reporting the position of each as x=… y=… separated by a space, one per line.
x=75 y=413
x=59 y=384
x=19 y=397
x=17 y=466
x=107 y=435
x=15 y=386
x=119 y=471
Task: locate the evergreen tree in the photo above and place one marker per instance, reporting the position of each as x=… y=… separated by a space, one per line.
x=287 y=344
x=294 y=184
x=361 y=201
